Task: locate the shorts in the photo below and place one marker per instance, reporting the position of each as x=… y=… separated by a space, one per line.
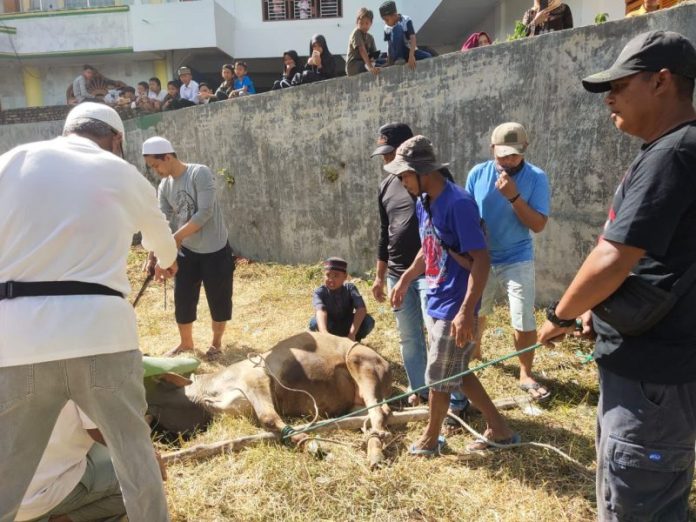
x=444 y=358
x=215 y=270
x=518 y=279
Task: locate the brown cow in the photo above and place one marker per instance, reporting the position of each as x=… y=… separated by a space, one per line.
x=340 y=375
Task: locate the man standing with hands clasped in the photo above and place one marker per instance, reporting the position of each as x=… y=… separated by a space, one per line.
x=513 y=197
x=644 y=261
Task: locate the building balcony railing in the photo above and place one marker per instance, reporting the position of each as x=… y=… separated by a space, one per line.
x=284 y=10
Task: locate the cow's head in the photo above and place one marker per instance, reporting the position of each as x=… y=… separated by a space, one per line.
x=170 y=410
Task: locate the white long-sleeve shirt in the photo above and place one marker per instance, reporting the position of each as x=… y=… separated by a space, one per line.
x=69 y=212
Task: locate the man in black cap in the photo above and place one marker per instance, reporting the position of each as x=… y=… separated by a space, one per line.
x=398 y=245
x=646 y=426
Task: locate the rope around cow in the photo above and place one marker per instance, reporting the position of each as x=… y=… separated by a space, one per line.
x=288 y=431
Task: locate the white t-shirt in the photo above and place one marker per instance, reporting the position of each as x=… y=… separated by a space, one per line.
x=62 y=465
x=69 y=212
x=157 y=95
x=189 y=92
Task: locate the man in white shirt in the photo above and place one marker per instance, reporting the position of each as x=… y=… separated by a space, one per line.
x=75 y=478
x=189 y=88
x=156 y=94
x=70 y=208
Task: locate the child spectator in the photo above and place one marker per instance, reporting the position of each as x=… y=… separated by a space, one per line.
x=291 y=67
x=339 y=307
x=127 y=96
x=172 y=98
x=477 y=40
x=242 y=83
x=321 y=64
x=401 y=36
x=141 y=100
x=224 y=91
x=188 y=92
x=361 y=46
x=547 y=16
x=205 y=94
x=156 y=94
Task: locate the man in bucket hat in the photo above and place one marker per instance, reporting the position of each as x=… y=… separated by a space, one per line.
x=455 y=261
x=646 y=417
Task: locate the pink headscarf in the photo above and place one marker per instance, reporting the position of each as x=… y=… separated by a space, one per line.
x=473 y=41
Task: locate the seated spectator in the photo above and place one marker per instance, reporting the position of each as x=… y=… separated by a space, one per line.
x=242 y=83
x=111 y=97
x=80 y=85
x=648 y=6
x=75 y=479
x=339 y=307
x=547 y=16
x=401 y=36
x=171 y=100
x=291 y=67
x=224 y=91
x=477 y=40
x=156 y=94
x=321 y=64
x=188 y=92
x=362 y=49
x=142 y=101
x=205 y=94
x=126 y=97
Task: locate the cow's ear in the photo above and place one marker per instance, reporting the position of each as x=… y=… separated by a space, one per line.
x=174 y=378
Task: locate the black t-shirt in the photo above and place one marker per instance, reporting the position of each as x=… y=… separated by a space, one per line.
x=654 y=209
x=399 y=240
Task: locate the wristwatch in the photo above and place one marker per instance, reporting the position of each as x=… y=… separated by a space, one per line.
x=551 y=316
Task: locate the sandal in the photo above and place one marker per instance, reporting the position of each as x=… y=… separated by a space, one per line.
x=532 y=390
x=424 y=452
x=480 y=445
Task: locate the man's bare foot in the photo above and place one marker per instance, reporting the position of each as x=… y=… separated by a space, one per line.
x=178 y=350
x=213 y=352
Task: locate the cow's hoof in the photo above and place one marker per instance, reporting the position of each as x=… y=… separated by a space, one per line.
x=375 y=455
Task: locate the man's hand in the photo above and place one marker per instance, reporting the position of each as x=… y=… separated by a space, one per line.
x=411 y=61
x=541 y=17
x=374 y=70
x=506 y=185
x=463 y=328
x=150 y=264
x=378 y=290
x=551 y=333
x=587 y=331
x=397 y=294
x=165 y=273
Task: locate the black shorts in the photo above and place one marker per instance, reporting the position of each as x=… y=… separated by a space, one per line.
x=215 y=271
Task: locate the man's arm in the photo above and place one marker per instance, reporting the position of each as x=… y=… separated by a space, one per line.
x=416 y=269
x=412 y=46
x=358 y=318
x=604 y=270
x=382 y=253
x=463 y=325
x=205 y=199
x=322 y=320
x=530 y=218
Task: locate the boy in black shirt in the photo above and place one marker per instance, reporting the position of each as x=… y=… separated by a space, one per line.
x=339 y=307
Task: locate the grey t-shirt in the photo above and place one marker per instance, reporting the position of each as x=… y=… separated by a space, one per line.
x=191 y=197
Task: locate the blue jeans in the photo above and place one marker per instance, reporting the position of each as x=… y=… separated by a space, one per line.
x=410 y=320
x=342 y=330
x=398 y=48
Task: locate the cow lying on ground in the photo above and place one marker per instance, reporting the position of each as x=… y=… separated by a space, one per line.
x=340 y=375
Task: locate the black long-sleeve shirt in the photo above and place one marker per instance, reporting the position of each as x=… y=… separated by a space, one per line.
x=399 y=240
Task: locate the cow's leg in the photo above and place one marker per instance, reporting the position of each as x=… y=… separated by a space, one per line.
x=258 y=392
x=372 y=375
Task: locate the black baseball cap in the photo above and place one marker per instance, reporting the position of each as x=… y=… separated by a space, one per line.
x=651 y=52
x=391 y=136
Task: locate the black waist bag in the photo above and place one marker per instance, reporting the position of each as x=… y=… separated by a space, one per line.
x=637 y=306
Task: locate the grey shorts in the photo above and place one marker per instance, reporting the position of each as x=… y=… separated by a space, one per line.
x=645 y=449
x=444 y=358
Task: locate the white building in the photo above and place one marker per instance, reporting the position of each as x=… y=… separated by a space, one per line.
x=44 y=43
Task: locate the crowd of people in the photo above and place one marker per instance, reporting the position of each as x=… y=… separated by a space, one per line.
x=443 y=252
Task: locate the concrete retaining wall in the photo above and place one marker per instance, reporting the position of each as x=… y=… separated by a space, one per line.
x=304 y=185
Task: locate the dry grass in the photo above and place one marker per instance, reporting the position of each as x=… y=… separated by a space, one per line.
x=271 y=482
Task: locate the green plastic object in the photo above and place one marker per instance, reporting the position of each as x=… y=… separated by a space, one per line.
x=158 y=365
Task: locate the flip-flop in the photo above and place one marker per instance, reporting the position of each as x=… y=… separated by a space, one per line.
x=480 y=445
x=177 y=351
x=213 y=352
x=535 y=386
x=424 y=452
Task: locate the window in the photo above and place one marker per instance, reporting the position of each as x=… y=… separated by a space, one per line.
x=277 y=10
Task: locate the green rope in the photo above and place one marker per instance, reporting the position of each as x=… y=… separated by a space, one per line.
x=289 y=431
